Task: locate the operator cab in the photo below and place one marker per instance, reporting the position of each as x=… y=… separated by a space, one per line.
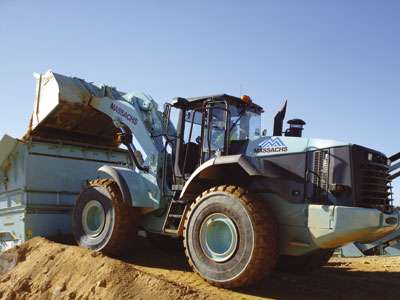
x=212 y=126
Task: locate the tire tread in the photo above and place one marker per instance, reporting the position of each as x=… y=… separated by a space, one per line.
x=265 y=250
x=126 y=219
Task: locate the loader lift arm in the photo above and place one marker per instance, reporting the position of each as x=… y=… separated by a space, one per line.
x=71 y=109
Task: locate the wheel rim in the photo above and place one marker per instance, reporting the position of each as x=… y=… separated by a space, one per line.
x=218 y=237
x=93 y=218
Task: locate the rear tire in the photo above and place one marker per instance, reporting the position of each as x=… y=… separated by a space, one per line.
x=230 y=237
x=102 y=221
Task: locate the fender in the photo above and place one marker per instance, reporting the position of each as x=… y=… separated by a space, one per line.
x=136 y=189
x=216 y=171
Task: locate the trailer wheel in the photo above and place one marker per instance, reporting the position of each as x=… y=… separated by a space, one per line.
x=306 y=263
x=230 y=237
x=101 y=221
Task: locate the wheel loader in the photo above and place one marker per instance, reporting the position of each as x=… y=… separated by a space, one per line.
x=243 y=202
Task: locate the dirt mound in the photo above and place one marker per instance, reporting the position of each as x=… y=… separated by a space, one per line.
x=47 y=270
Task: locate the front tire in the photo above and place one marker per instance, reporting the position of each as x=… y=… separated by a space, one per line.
x=230 y=237
x=102 y=221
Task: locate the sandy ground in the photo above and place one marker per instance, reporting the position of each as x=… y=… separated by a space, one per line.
x=48 y=270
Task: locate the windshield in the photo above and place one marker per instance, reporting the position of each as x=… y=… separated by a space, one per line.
x=245 y=124
x=208 y=127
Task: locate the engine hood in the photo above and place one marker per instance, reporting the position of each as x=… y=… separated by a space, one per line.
x=280 y=145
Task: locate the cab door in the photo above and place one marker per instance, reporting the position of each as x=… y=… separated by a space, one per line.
x=215 y=127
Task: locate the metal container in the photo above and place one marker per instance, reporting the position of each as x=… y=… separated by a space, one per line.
x=39 y=183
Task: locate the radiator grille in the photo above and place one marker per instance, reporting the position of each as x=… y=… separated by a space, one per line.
x=320 y=176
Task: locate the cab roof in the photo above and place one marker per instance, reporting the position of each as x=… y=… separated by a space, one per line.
x=191 y=103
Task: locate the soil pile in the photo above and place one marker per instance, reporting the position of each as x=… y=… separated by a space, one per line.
x=48 y=270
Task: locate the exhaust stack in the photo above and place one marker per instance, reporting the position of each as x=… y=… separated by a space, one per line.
x=278 y=120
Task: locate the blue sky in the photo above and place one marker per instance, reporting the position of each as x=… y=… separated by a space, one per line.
x=336 y=62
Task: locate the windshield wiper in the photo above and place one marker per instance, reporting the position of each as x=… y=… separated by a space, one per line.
x=240 y=116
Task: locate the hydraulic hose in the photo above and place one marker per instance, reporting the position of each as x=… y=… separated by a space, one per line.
x=127 y=141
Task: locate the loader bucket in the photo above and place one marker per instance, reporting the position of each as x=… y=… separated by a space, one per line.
x=62 y=111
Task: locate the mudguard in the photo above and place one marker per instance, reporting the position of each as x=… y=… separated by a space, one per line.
x=214 y=172
x=138 y=189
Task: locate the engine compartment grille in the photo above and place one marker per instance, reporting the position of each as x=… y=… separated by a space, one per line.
x=374 y=185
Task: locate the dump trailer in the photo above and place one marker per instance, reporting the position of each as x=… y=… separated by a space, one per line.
x=40 y=180
x=242 y=201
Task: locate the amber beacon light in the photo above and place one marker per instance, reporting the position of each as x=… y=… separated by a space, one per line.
x=246 y=98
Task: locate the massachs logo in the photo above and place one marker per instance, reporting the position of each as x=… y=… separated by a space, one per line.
x=271 y=145
x=272 y=142
x=124 y=114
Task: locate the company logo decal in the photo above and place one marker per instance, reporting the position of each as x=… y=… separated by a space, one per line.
x=124 y=114
x=271 y=144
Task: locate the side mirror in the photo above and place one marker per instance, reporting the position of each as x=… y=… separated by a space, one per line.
x=166 y=113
